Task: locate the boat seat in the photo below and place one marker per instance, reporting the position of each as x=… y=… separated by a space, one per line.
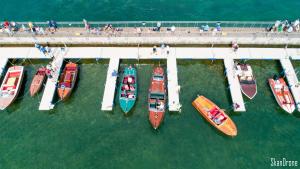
x=214 y=112
x=11 y=82
x=71 y=68
x=68 y=77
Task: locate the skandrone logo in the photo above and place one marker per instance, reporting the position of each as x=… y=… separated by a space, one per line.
x=283 y=162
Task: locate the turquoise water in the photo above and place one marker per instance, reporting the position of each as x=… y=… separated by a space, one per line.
x=106 y=10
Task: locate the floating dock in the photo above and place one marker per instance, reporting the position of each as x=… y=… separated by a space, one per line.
x=173 y=87
x=292 y=80
x=50 y=88
x=234 y=85
x=117 y=53
x=3 y=62
x=110 y=85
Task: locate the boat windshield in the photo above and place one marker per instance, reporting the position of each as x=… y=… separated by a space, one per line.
x=248 y=82
x=158 y=77
x=159 y=96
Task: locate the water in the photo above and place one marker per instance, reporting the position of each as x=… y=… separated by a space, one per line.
x=76 y=134
x=107 y=10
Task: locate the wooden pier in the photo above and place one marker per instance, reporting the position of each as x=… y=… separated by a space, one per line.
x=110 y=85
x=234 y=85
x=3 y=62
x=292 y=80
x=173 y=87
x=115 y=54
x=50 y=88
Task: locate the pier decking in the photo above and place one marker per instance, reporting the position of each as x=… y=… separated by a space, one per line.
x=110 y=86
x=292 y=80
x=50 y=88
x=3 y=62
x=117 y=53
x=173 y=87
x=234 y=85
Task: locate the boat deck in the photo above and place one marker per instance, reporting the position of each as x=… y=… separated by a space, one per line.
x=173 y=87
x=292 y=80
x=234 y=85
x=50 y=88
x=110 y=85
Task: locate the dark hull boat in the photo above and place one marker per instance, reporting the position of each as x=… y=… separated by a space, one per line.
x=157 y=97
x=247 y=80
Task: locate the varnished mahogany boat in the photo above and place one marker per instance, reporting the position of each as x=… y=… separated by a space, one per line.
x=67 y=80
x=157 y=97
x=215 y=116
x=37 y=81
x=282 y=94
x=10 y=86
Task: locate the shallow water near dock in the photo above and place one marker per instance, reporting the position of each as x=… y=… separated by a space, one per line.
x=77 y=134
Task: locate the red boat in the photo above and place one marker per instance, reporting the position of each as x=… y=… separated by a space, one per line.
x=67 y=80
x=282 y=94
x=247 y=80
x=157 y=97
x=37 y=81
x=11 y=85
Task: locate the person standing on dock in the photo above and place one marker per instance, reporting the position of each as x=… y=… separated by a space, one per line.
x=235 y=46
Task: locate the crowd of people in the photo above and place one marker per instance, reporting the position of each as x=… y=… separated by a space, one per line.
x=285 y=26
x=11 y=27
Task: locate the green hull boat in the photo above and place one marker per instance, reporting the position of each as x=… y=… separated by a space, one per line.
x=128 y=89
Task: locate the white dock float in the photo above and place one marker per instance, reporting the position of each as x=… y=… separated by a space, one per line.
x=110 y=85
x=3 y=62
x=292 y=80
x=234 y=85
x=173 y=87
x=50 y=88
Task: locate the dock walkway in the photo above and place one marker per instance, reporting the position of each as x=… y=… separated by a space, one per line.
x=292 y=80
x=110 y=85
x=173 y=87
x=3 y=62
x=234 y=85
x=50 y=88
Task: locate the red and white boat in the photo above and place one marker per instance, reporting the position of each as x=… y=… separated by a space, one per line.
x=282 y=94
x=247 y=80
x=10 y=86
x=157 y=97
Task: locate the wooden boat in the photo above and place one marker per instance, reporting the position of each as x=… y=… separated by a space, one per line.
x=247 y=80
x=282 y=94
x=10 y=86
x=37 y=81
x=215 y=116
x=128 y=89
x=157 y=97
x=67 y=80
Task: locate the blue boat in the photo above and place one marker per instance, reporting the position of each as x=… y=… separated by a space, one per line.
x=128 y=89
